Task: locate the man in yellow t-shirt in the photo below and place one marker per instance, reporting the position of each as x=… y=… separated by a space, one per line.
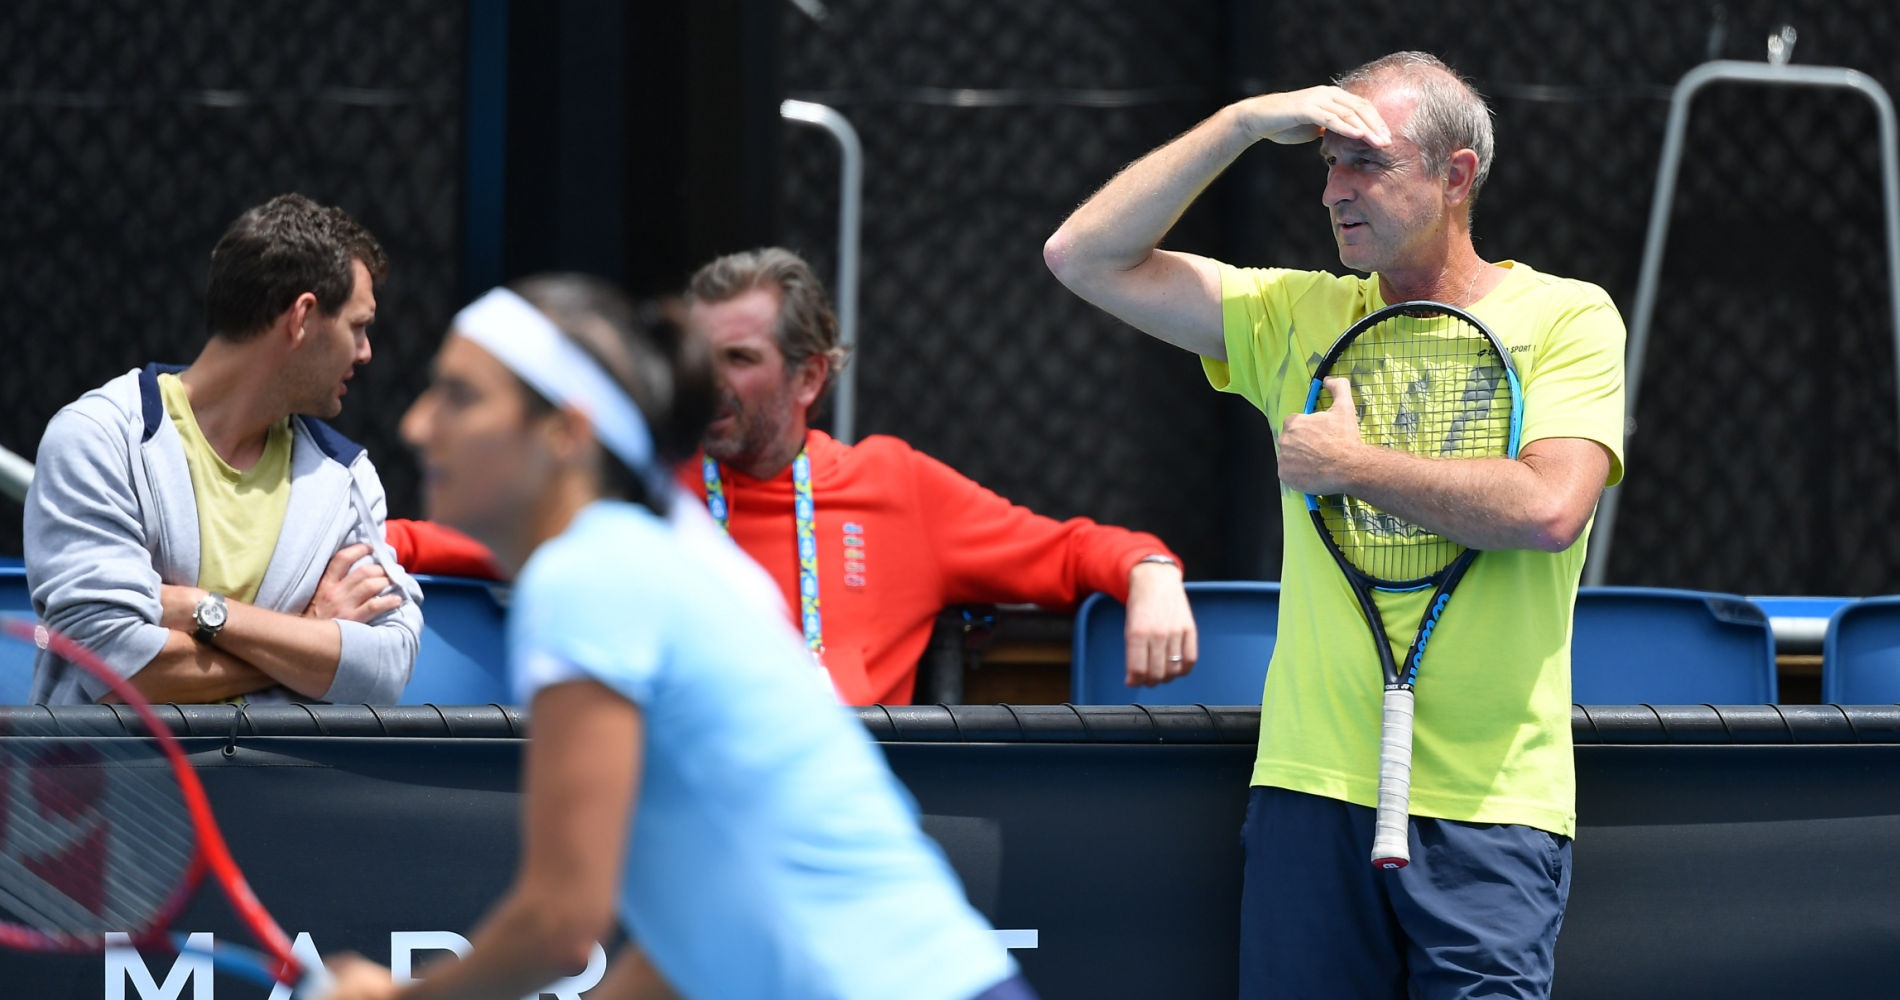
x=1407 y=146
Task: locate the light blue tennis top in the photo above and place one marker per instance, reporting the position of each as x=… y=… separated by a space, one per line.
x=773 y=852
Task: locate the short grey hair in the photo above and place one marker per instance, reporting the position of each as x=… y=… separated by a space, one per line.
x=1450 y=115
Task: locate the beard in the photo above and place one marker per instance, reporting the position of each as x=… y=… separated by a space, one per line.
x=755 y=434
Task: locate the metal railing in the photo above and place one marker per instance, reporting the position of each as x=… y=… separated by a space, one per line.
x=1773 y=73
x=16 y=474
x=850 y=203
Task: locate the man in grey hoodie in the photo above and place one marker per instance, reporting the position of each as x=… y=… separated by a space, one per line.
x=201 y=528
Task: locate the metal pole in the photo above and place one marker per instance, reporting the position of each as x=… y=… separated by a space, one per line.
x=1694 y=80
x=850 y=201
x=16 y=474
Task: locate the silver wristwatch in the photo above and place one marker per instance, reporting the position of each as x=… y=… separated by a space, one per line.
x=209 y=615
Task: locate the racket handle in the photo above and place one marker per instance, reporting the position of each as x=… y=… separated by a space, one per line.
x=1390 y=850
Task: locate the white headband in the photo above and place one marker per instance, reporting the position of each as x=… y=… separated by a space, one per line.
x=530 y=345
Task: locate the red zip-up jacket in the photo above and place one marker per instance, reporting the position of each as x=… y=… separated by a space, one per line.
x=431 y=548
x=900 y=536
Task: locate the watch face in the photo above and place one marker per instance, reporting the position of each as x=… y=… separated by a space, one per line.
x=211 y=613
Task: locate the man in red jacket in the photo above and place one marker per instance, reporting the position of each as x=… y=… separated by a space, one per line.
x=870 y=541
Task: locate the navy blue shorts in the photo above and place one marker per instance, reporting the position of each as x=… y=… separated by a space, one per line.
x=1475 y=914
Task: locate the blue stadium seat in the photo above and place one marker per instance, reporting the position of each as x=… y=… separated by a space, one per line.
x=1799 y=623
x=1860 y=658
x=1802 y=607
x=1236 y=620
x=460 y=662
x=1650 y=645
x=16 y=658
x=463 y=657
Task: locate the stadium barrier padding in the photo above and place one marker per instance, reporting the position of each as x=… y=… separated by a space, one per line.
x=1723 y=851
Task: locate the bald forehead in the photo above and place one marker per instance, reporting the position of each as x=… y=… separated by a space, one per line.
x=1392 y=95
x=1395 y=101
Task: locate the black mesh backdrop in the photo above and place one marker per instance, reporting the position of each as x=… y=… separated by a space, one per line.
x=1754 y=469
x=1766 y=425
x=134 y=132
x=983 y=124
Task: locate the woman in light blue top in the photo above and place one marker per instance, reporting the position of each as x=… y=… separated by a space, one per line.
x=690 y=772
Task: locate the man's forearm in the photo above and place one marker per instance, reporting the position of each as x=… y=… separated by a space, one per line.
x=298 y=652
x=1538 y=501
x=188 y=672
x=1108 y=252
x=1119 y=226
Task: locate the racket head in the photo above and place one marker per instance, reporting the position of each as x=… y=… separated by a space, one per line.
x=1428 y=379
x=108 y=833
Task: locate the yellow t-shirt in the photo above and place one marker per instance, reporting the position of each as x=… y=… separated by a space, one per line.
x=1492 y=739
x=240 y=514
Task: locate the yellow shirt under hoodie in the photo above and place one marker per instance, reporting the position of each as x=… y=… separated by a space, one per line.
x=240 y=514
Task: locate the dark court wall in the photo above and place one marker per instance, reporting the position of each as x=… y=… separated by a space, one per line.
x=1733 y=852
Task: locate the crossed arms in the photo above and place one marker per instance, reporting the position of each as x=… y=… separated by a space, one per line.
x=98 y=559
x=260 y=648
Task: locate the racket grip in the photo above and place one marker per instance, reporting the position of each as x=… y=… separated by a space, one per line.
x=1390 y=850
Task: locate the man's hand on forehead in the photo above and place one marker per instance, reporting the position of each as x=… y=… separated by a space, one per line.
x=1304 y=115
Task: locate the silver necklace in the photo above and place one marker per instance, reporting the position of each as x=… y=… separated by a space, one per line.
x=1470 y=286
x=1468 y=300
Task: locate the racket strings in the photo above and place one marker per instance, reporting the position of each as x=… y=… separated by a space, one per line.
x=1429 y=385
x=94 y=835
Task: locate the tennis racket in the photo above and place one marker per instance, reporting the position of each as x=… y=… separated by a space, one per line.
x=1428 y=379
x=113 y=833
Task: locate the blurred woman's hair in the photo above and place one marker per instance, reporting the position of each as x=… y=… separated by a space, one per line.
x=664 y=369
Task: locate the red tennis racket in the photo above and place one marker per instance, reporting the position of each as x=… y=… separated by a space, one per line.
x=103 y=834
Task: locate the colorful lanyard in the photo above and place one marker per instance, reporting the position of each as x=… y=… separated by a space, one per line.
x=803 y=514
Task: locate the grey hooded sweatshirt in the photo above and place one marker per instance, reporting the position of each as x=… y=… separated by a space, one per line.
x=111 y=516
